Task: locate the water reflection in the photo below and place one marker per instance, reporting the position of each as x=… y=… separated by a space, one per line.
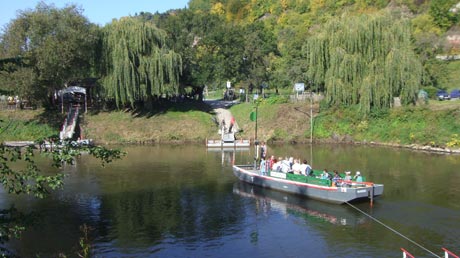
x=184 y=201
x=228 y=155
x=267 y=200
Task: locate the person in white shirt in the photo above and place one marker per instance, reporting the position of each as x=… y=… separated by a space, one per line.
x=285 y=166
x=305 y=169
x=347 y=176
x=296 y=167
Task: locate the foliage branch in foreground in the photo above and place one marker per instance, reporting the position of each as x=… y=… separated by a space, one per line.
x=20 y=174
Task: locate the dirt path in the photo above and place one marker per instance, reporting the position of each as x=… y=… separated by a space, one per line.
x=222 y=113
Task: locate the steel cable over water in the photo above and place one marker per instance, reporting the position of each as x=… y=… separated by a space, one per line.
x=393 y=230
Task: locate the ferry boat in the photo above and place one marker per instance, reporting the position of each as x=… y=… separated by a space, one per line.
x=310 y=186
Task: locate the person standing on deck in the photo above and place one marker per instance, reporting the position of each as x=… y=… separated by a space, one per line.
x=263 y=150
x=223 y=126
x=263 y=166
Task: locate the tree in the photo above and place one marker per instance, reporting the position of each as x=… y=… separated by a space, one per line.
x=259 y=53
x=441 y=13
x=211 y=49
x=55 y=46
x=138 y=66
x=365 y=60
x=185 y=31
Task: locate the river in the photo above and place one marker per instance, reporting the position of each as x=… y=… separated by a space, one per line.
x=184 y=201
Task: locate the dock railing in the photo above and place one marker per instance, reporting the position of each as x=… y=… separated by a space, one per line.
x=447 y=254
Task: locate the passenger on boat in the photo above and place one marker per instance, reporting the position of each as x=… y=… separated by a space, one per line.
x=271 y=162
x=324 y=175
x=346 y=182
x=347 y=176
x=296 y=167
x=277 y=166
x=263 y=166
x=285 y=166
x=336 y=179
x=358 y=178
x=305 y=169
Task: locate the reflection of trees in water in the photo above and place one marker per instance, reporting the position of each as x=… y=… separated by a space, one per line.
x=12 y=224
x=186 y=215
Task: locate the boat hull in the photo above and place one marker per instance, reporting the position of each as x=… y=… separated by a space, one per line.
x=324 y=193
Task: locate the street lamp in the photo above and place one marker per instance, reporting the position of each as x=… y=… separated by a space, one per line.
x=253 y=117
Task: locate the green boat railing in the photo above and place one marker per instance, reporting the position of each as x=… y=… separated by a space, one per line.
x=314 y=179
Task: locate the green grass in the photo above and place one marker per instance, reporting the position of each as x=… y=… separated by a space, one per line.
x=169 y=123
x=412 y=125
x=23 y=125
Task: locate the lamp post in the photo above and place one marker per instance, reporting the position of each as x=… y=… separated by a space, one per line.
x=311 y=117
x=253 y=117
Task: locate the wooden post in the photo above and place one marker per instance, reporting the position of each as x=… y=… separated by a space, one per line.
x=372 y=196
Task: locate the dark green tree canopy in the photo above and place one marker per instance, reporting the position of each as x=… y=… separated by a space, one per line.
x=56 y=46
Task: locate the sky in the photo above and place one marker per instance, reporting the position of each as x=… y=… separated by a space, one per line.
x=97 y=11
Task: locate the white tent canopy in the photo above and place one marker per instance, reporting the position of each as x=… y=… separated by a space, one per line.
x=72 y=89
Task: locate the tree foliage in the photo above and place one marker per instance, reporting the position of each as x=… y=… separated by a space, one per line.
x=440 y=11
x=138 y=64
x=55 y=46
x=365 y=60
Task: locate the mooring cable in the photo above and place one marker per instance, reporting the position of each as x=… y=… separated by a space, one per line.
x=393 y=230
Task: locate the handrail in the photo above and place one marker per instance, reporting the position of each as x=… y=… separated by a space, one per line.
x=354 y=182
x=448 y=253
x=406 y=253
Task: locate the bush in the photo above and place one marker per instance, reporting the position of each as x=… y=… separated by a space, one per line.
x=276 y=99
x=431 y=91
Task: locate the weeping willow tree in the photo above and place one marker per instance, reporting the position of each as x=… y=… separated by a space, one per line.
x=138 y=65
x=365 y=60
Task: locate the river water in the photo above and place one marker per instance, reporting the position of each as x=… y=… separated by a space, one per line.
x=184 y=201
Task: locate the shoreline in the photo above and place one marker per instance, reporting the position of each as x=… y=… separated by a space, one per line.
x=413 y=147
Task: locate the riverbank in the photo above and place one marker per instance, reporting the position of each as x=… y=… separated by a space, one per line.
x=417 y=128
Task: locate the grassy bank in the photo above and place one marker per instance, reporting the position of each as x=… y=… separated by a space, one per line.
x=27 y=125
x=437 y=124
x=287 y=122
x=182 y=122
x=412 y=125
